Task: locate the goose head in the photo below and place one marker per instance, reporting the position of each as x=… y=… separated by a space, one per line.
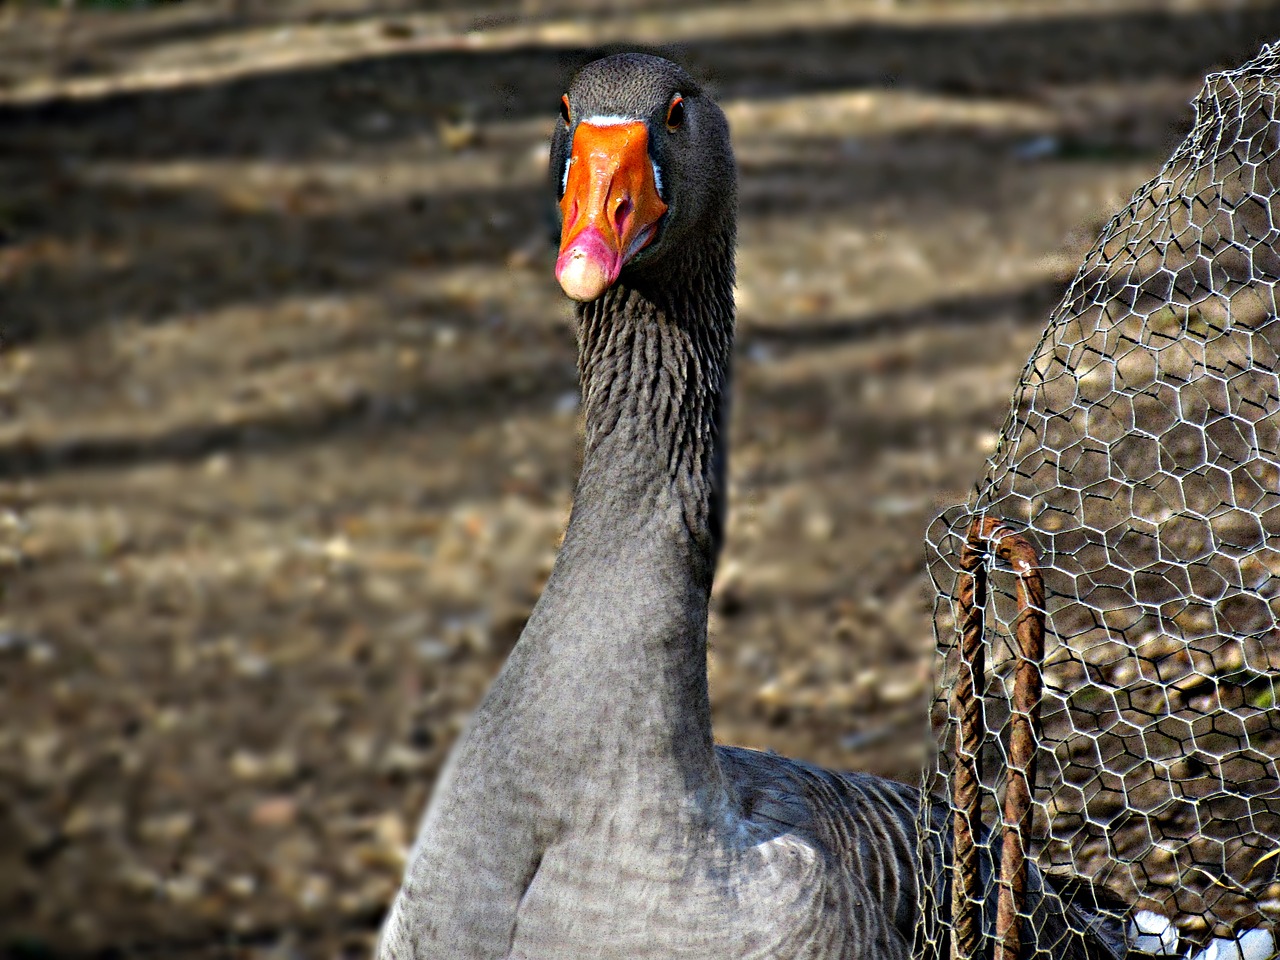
x=643 y=171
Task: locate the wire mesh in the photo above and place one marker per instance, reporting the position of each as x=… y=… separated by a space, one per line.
x=1141 y=461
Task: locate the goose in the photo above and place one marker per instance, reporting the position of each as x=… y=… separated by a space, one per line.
x=586 y=811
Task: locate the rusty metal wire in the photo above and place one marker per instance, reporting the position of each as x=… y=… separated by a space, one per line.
x=967 y=776
x=1141 y=463
x=989 y=539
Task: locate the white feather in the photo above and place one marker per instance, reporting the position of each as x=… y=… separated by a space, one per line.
x=1257 y=944
x=1153 y=934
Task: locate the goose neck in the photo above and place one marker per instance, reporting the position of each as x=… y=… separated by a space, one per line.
x=655 y=381
x=617 y=645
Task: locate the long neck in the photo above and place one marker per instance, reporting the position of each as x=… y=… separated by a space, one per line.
x=612 y=663
x=655 y=379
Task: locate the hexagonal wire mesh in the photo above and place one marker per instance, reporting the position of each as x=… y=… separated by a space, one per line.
x=1141 y=461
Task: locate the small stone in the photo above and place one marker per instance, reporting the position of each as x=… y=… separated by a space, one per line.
x=771 y=693
x=338 y=549
x=390 y=832
x=384 y=591
x=86 y=820
x=359 y=749
x=139 y=879
x=1123 y=673
x=246 y=765
x=275 y=812
x=242 y=885
x=218 y=465
x=41 y=653
x=894 y=692
x=253 y=666
x=183 y=889
x=168 y=827
x=315 y=892
x=868 y=679
x=895 y=506
x=433 y=650
x=401 y=759
x=819 y=526
x=281 y=765
x=459 y=135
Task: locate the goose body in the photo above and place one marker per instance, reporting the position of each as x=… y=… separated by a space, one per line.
x=586 y=811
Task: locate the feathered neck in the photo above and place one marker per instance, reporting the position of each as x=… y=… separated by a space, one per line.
x=610 y=674
x=654 y=362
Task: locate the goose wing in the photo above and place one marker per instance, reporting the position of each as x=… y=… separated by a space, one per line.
x=868 y=828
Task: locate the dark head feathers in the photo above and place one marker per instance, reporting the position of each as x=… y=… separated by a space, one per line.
x=630 y=84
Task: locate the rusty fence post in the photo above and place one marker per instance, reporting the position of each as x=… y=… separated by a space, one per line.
x=988 y=537
x=966 y=783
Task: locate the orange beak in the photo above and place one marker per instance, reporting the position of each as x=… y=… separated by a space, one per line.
x=610 y=207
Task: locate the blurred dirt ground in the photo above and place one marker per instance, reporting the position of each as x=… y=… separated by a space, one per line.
x=288 y=409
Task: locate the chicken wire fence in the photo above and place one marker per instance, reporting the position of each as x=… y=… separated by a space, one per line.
x=1137 y=480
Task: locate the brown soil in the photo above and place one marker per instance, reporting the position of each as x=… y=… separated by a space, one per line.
x=288 y=401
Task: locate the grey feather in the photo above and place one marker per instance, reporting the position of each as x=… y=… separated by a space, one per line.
x=586 y=812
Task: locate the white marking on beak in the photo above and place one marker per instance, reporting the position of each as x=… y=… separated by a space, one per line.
x=609 y=120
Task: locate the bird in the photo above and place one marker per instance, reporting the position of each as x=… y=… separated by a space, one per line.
x=586 y=811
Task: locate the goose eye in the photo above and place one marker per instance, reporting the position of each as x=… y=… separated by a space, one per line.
x=675 y=112
x=564 y=110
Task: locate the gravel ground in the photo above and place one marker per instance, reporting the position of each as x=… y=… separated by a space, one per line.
x=288 y=421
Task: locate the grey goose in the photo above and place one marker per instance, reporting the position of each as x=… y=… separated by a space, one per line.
x=586 y=811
